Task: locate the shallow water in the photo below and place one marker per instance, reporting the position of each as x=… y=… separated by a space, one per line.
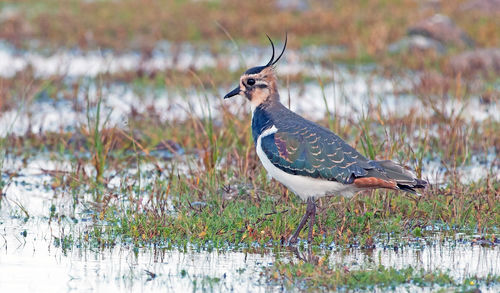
x=34 y=256
x=34 y=263
x=461 y=259
x=480 y=166
x=166 y=55
x=350 y=98
x=353 y=93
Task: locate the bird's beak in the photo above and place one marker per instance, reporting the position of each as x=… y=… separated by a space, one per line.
x=232 y=93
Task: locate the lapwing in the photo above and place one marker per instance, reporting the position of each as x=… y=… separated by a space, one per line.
x=309 y=159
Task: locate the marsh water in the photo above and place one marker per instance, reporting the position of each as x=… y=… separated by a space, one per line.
x=34 y=263
x=34 y=257
x=34 y=254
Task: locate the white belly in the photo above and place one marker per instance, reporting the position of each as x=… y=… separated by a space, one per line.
x=302 y=186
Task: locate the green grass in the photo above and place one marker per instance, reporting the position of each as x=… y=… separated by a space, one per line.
x=195 y=209
x=312 y=276
x=216 y=195
x=241 y=205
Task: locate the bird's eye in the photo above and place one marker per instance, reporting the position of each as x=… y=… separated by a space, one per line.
x=250 y=81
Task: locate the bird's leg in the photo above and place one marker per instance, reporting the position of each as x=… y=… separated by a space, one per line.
x=312 y=214
x=295 y=235
x=310 y=207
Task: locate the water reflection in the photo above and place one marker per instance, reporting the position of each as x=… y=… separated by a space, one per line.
x=30 y=259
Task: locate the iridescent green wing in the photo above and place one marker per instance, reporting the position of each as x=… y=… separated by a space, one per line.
x=315 y=152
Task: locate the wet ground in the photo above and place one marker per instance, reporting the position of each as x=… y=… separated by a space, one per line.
x=34 y=257
x=37 y=262
x=38 y=251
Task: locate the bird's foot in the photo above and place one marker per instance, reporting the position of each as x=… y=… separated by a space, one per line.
x=292 y=241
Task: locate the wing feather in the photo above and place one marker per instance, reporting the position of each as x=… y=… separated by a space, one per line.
x=301 y=147
x=318 y=154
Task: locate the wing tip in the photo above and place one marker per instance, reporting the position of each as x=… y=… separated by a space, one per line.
x=418 y=184
x=374 y=182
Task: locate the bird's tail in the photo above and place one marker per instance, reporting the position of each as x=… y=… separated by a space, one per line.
x=405 y=180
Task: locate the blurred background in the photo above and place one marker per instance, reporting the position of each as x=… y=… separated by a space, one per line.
x=445 y=37
x=409 y=63
x=115 y=142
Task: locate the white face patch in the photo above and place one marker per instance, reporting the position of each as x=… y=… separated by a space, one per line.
x=256 y=93
x=259 y=95
x=262 y=86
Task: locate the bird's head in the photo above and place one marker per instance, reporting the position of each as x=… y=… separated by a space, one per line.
x=258 y=84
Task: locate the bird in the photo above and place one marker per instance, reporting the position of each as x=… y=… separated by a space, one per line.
x=307 y=158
